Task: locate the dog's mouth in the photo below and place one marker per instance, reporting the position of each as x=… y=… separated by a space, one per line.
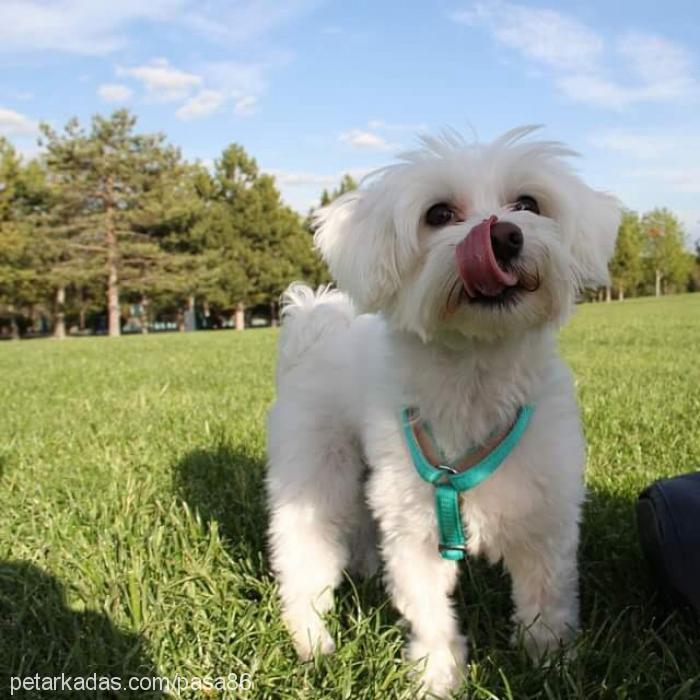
x=509 y=296
x=487 y=280
x=527 y=281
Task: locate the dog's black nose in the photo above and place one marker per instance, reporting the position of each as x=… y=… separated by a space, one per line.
x=506 y=241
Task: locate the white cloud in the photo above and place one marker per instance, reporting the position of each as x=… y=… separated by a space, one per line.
x=636 y=68
x=302 y=179
x=115 y=92
x=381 y=125
x=302 y=190
x=245 y=106
x=289 y=178
x=244 y=20
x=15 y=124
x=543 y=36
x=201 y=105
x=236 y=77
x=96 y=27
x=75 y=26
x=365 y=140
x=639 y=144
x=660 y=71
x=162 y=81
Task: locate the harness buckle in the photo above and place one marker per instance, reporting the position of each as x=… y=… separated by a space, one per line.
x=446 y=468
x=453 y=548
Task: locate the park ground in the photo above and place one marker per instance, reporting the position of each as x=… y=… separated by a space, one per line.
x=132 y=520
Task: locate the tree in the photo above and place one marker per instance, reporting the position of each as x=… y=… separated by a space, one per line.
x=665 y=254
x=319 y=273
x=22 y=193
x=262 y=243
x=626 y=266
x=347 y=184
x=100 y=178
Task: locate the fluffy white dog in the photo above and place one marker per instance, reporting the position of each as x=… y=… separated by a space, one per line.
x=457 y=266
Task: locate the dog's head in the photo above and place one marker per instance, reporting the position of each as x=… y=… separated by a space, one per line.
x=479 y=240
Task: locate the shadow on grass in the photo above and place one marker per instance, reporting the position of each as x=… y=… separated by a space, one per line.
x=631 y=644
x=226 y=486
x=630 y=641
x=40 y=635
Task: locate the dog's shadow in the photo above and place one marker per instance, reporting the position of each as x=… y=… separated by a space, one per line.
x=40 y=634
x=226 y=486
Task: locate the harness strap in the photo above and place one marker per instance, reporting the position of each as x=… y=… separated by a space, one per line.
x=449 y=482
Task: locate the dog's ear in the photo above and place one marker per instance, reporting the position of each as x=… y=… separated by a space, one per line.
x=594 y=243
x=357 y=240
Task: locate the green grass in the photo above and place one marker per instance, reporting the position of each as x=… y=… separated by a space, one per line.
x=132 y=520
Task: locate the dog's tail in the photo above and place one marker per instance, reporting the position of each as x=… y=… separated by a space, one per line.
x=307 y=318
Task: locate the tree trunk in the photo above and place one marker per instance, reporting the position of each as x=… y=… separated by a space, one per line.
x=240 y=316
x=620 y=293
x=608 y=293
x=59 y=325
x=658 y=283
x=83 y=310
x=144 y=313
x=273 y=314
x=112 y=255
x=14 y=328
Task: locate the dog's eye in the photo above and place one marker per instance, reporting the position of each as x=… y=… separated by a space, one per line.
x=440 y=214
x=526 y=203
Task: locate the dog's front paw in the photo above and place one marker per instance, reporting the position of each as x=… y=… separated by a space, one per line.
x=310 y=636
x=438 y=669
x=542 y=641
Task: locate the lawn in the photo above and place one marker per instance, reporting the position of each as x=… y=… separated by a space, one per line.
x=132 y=521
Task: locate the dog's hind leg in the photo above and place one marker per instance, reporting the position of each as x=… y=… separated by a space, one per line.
x=314 y=491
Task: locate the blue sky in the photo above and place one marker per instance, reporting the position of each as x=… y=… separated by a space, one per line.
x=315 y=88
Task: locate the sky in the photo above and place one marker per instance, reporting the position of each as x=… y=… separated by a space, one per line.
x=316 y=88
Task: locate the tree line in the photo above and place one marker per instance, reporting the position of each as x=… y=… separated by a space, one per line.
x=651 y=257
x=108 y=223
x=111 y=229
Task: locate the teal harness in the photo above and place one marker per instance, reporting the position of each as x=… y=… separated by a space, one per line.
x=449 y=482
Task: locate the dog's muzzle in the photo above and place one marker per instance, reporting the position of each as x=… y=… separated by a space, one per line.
x=482 y=254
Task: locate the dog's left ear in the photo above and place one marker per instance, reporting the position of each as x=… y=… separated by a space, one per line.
x=357 y=239
x=594 y=243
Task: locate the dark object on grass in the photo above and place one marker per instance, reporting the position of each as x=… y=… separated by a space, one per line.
x=668 y=521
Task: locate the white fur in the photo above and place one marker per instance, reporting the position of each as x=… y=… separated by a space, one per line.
x=349 y=363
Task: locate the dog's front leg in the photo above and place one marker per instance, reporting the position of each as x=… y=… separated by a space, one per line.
x=544 y=574
x=420 y=583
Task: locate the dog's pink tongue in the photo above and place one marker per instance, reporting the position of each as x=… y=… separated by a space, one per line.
x=477 y=264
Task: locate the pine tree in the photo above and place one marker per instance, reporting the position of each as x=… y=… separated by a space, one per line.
x=263 y=245
x=100 y=179
x=22 y=193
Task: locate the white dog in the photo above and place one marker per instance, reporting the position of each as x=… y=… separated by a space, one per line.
x=457 y=264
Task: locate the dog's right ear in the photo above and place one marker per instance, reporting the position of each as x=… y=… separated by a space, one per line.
x=356 y=238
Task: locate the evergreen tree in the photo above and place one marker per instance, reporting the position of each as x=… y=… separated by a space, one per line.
x=262 y=243
x=22 y=193
x=100 y=178
x=319 y=274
